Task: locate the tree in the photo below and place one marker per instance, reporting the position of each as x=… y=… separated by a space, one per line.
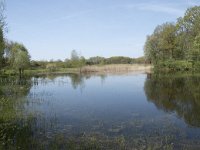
x=2 y=27
x=151 y=50
x=17 y=56
x=161 y=44
x=190 y=22
x=171 y=42
x=74 y=55
x=21 y=61
x=2 y=47
x=195 y=52
x=76 y=60
x=11 y=51
x=187 y=30
x=95 y=60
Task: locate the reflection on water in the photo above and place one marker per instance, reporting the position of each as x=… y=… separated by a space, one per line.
x=176 y=94
x=141 y=111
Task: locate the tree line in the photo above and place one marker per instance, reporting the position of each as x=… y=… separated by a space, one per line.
x=78 y=61
x=97 y=60
x=176 y=45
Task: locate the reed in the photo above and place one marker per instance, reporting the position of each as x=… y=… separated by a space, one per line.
x=117 y=68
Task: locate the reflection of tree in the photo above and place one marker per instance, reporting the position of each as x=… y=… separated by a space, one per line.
x=179 y=94
x=21 y=128
x=103 y=78
x=77 y=80
x=15 y=87
x=15 y=129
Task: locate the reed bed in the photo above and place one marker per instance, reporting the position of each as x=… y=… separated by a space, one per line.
x=117 y=68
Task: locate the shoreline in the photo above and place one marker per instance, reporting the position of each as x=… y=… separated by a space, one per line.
x=116 y=68
x=105 y=69
x=94 y=69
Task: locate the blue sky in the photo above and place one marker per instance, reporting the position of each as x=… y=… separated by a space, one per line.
x=50 y=29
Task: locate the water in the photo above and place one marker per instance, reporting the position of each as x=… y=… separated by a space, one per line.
x=126 y=111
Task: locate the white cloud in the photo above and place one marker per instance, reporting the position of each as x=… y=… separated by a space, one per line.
x=168 y=8
x=193 y=3
x=161 y=8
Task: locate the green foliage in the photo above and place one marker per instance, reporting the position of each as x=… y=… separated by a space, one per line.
x=118 y=60
x=51 y=67
x=21 y=61
x=38 y=64
x=17 y=56
x=76 y=61
x=174 y=65
x=2 y=27
x=196 y=66
x=114 y=60
x=74 y=55
x=95 y=60
x=194 y=54
x=140 y=60
x=161 y=44
x=176 y=46
x=2 y=47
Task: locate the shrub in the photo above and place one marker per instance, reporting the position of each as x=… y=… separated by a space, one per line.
x=174 y=65
x=196 y=66
x=51 y=67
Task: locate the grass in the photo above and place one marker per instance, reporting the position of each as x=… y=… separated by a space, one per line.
x=29 y=72
x=46 y=71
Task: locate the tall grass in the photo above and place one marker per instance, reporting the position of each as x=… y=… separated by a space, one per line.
x=116 y=68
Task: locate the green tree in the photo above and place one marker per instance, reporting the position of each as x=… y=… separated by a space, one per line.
x=2 y=27
x=17 y=56
x=171 y=44
x=2 y=47
x=151 y=50
x=76 y=60
x=95 y=60
x=21 y=61
x=11 y=51
x=187 y=30
x=195 y=52
x=74 y=55
x=161 y=44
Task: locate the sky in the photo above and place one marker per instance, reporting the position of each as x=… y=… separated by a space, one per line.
x=51 y=29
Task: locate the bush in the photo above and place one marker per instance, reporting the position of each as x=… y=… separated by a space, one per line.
x=51 y=67
x=174 y=65
x=196 y=66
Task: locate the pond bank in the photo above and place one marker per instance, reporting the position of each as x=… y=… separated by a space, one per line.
x=117 y=68
x=94 y=69
x=105 y=69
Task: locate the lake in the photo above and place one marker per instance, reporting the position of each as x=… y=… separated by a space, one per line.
x=113 y=111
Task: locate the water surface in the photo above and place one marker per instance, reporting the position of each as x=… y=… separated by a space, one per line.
x=137 y=111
